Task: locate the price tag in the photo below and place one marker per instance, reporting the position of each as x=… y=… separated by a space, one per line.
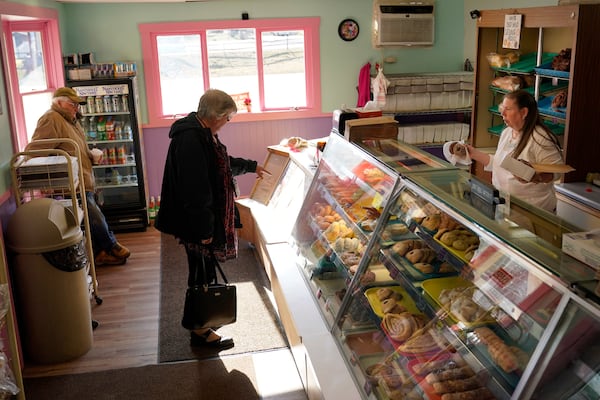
x=377 y=200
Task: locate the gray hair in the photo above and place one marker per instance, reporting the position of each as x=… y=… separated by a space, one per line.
x=214 y=104
x=55 y=100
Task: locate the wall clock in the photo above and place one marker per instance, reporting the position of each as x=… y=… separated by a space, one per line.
x=348 y=29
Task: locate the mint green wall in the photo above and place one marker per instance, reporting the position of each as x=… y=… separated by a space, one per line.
x=110 y=31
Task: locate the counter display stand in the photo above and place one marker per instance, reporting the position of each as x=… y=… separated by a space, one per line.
x=330 y=305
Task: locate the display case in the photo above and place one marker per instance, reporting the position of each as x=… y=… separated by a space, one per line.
x=339 y=214
x=478 y=300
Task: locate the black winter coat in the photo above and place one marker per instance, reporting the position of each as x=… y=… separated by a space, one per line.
x=191 y=188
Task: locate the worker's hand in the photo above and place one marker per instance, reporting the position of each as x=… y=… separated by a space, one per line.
x=207 y=241
x=261 y=172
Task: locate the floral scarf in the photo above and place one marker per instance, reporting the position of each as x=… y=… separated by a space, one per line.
x=227 y=250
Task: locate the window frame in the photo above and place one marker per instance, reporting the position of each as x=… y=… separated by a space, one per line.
x=46 y=22
x=310 y=26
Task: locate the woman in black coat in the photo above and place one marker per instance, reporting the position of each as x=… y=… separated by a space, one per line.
x=198 y=192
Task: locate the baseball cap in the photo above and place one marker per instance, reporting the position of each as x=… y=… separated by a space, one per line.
x=70 y=93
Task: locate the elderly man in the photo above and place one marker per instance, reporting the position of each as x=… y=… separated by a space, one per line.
x=61 y=121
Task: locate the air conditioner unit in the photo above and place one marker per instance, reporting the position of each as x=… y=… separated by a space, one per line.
x=403 y=23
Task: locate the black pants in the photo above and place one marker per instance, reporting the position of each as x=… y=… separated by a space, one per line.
x=196 y=264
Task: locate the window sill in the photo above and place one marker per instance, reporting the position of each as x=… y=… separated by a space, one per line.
x=244 y=116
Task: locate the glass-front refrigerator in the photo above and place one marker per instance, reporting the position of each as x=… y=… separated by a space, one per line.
x=112 y=124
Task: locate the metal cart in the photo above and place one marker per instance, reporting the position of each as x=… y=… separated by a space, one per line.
x=55 y=173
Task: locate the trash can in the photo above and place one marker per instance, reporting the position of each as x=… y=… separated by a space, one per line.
x=49 y=272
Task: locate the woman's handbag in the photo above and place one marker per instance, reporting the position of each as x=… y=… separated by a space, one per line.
x=210 y=305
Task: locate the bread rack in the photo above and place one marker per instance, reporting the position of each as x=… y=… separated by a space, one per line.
x=54 y=173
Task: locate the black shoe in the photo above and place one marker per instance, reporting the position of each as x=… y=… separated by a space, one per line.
x=222 y=343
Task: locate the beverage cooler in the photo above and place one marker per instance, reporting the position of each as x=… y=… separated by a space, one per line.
x=112 y=124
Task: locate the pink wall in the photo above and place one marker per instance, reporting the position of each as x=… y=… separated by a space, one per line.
x=243 y=139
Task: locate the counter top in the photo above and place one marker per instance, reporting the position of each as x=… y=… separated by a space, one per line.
x=585 y=193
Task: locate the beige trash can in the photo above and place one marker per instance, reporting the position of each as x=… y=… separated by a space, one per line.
x=49 y=263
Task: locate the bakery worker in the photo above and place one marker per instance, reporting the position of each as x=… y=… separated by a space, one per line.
x=61 y=122
x=525 y=138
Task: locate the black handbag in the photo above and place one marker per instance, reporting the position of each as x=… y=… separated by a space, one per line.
x=210 y=305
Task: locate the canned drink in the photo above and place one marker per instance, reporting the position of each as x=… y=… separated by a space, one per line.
x=98 y=102
x=107 y=102
x=116 y=103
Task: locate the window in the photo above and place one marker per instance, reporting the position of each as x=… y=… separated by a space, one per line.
x=34 y=68
x=33 y=64
x=271 y=67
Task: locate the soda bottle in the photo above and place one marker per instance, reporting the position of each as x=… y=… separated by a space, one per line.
x=101 y=129
x=152 y=210
x=110 y=129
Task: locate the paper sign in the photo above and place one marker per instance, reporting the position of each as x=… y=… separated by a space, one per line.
x=512 y=31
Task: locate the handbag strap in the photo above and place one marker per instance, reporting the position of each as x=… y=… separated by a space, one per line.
x=218 y=265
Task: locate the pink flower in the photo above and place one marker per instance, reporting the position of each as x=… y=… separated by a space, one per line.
x=247 y=101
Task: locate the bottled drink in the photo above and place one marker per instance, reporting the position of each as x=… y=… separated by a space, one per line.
x=101 y=129
x=98 y=102
x=107 y=103
x=116 y=102
x=152 y=210
x=127 y=134
x=85 y=126
x=90 y=106
x=91 y=133
x=124 y=103
x=110 y=129
x=118 y=130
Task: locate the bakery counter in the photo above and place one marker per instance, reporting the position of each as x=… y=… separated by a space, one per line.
x=579 y=202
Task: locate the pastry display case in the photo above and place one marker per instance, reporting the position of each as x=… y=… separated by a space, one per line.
x=335 y=224
x=475 y=300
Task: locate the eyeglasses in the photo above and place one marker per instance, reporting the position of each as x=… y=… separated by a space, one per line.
x=72 y=103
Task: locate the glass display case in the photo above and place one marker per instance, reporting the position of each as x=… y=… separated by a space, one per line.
x=479 y=301
x=340 y=212
x=404 y=158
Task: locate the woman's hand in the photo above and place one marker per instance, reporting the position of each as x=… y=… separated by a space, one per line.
x=260 y=171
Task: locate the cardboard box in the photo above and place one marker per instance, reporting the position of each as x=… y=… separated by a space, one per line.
x=584 y=246
x=375 y=128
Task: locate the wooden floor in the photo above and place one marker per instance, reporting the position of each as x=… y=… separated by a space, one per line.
x=127 y=335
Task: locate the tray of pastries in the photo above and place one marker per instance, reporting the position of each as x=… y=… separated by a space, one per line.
x=449 y=377
x=461 y=299
x=390 y=299
x=422 y=261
